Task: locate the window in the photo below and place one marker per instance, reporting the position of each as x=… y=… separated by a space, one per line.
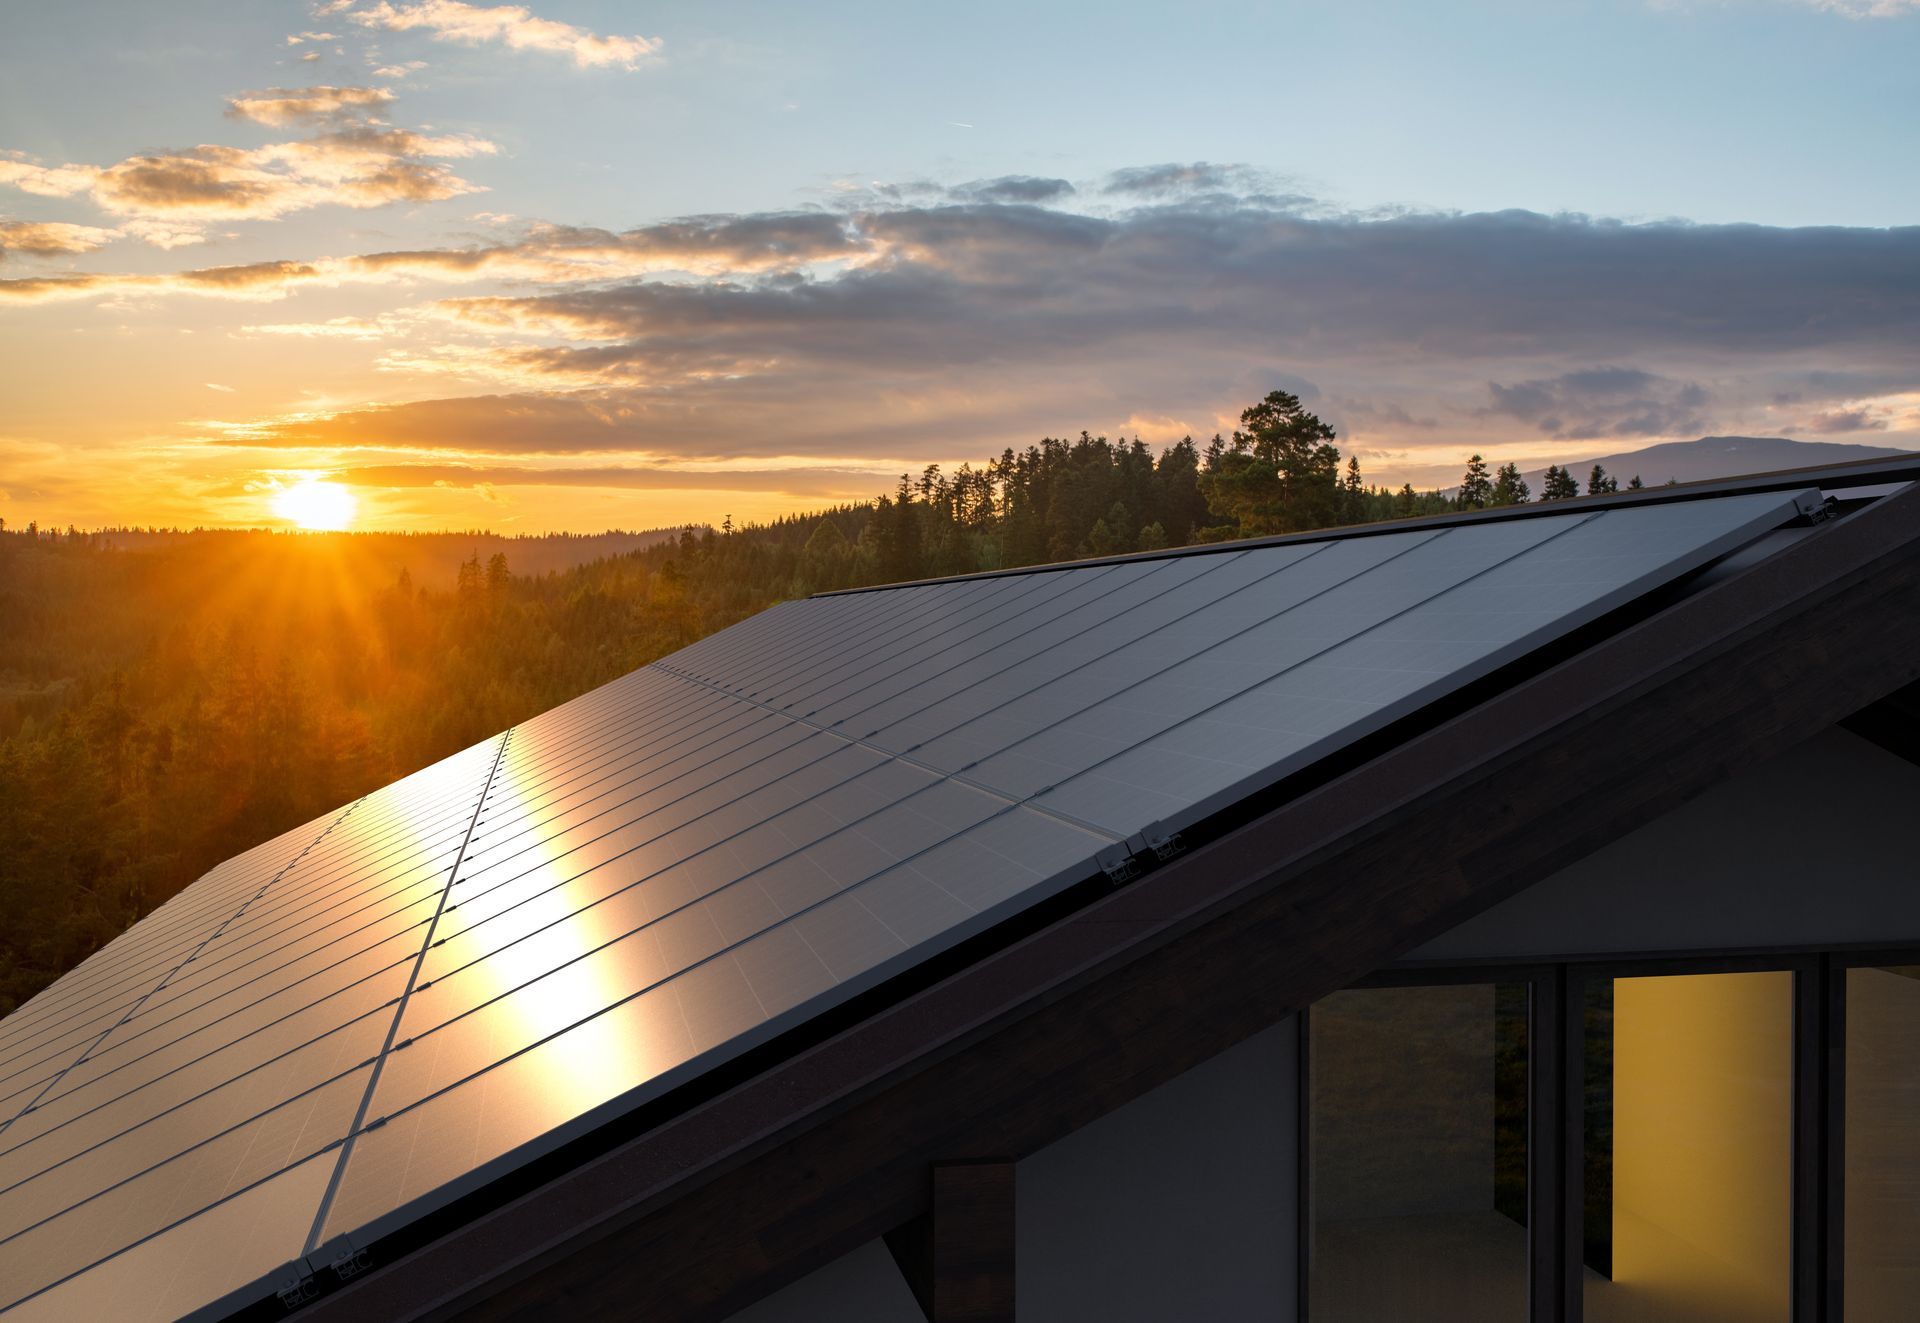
x=1882 y=1138
x=1417 y=1181
x=1689 y=1149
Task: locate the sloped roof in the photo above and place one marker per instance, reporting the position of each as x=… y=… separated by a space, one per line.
x=343 y=1038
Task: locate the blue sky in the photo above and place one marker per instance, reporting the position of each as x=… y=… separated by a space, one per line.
x=1784 y=131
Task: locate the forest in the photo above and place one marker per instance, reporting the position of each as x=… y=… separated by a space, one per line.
x=168 y=699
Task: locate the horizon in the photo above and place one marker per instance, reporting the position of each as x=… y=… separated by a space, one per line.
x=562 y=266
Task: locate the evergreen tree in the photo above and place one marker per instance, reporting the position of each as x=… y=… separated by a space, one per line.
x=1636 y=485
x=498 y=576
x=1280 y=475
x=1600 y=484
x=1559 y=484
x=1476 y=489
x=1509 y=488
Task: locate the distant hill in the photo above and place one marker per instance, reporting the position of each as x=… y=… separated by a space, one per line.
x=432 y=560
x=1715 y=457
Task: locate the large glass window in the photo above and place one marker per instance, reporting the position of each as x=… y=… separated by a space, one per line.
x=1882 y=1224
x=1418 y=1154
x=1689 y=1138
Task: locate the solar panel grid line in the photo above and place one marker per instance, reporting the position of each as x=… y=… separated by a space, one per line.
x=973 y=670
x=74 y=994
x=679 y=862
x=134 y=1008
x=382 y=889
x=231 y=873
x=376 y=1216
x=905 y=756
x=1200 y=581
x=177 y=1012
x=290 y=949
x=879 y=631
x=399 y=1010
x=824 y=702
x=1766 y=512
x=37 y=1260
x=168 y=914
x=91 y=1106
x=916 y=844
x=862 y=672
x=807 y=641
x=865 y=660
x=169 y=1274
x=370 y=866
x=828 y=750
x=328 y=958
x=115 y=1165
x=1060 y=717
x=929 y=720
x=107 y=997
x=902 y=861
x=388 y=875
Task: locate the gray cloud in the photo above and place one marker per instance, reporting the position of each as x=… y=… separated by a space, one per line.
x=1154 y=180
x=1604 y=402
x=1837 y=421
x=952 y=325
x=1015 y=188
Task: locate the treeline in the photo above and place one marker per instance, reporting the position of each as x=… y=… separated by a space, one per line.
x=165 y=708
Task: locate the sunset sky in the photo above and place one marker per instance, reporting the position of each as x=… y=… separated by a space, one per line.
x=581 y=264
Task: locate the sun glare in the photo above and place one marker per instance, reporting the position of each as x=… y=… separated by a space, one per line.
x=315 y=503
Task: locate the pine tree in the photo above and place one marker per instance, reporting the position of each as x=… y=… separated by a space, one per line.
x=1476 y=489
x=1599 y=484
x=1559 y=484
x=498 y=575
x=1636 y=484
x=1510 y=488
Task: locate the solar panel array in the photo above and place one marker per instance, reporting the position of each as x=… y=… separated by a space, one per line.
x=330 y=1035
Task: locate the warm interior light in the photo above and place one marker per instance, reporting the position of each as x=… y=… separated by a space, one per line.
x=316 y=504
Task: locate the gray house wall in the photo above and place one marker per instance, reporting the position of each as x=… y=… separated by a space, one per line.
x=1815 y=848
x=1182 y=1203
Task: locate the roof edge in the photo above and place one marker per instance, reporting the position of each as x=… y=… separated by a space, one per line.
x=1829 y=477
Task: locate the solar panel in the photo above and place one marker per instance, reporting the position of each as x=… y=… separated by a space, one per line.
x=343 y=1029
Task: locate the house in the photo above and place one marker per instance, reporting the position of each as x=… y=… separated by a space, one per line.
x=1504 y=915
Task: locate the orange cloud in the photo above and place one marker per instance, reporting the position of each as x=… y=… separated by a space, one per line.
x=255 y=281
x=513 y=25
x=287 y=105
x=49 y=238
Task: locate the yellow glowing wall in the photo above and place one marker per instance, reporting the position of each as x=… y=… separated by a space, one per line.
x=1703 y=1143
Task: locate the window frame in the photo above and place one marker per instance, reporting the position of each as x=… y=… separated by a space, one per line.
x=1555 y=1105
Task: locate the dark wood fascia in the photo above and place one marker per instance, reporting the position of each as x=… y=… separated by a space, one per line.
x=832 y=1148
x=958 y=1256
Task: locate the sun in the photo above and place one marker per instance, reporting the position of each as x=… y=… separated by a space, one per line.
x=315 y=503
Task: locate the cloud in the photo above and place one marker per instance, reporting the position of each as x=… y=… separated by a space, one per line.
x=958 y=326
x=1603 y=402
x=1156 y=180
x=359 y=166
x=513 y=25
x=254 y=281
x=1868 y=8
x=288 y=105
x=1015 y=188
x=811 y=481
x=405 y=70
x=1836 y=421
x=49 y=238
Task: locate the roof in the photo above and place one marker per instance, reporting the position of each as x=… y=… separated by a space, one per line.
x=604 y=936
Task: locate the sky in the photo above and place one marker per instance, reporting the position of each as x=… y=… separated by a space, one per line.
x=577 y=264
